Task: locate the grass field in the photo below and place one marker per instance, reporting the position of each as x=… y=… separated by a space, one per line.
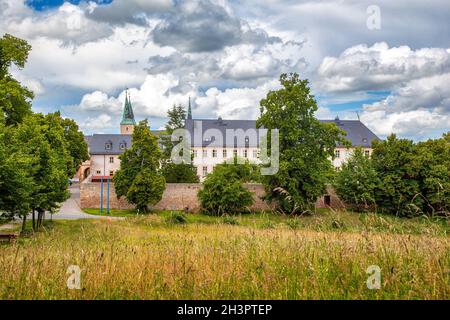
x=260 y=256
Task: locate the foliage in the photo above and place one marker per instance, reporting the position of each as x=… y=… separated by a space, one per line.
x=177 y=217
x=37 y=153
x=45 y=145
x=395 y=162
x=147 y=188
x=227 y=219
x=433 y=157
x=179 y=173
x=305 y=147
x=139 y=178
x=15 y=99
x=356 y=182
x=15 y=182
x=177 y=116
x=223 y=192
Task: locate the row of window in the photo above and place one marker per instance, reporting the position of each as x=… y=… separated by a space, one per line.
x=109 y=145
x=337 y=153
x=215 y=153
x=99 y=172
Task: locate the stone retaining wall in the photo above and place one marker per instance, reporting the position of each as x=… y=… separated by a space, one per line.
x=178 y=196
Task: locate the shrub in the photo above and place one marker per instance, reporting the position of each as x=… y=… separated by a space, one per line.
x=268 y=224
x=293 y=223
x=230 y=220
x=223 y=192
x=179 y=173
x=177 y=217
x=357 y=181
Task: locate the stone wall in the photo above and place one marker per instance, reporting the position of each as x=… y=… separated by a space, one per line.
x=178 y=196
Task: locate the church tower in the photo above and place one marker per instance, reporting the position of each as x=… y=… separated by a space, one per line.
x=189 y=113
x=127 y=124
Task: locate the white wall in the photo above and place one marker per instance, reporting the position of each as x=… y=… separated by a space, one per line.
x=209 y=161
x=101 y=166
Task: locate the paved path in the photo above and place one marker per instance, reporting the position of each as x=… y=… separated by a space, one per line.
x=70 y=210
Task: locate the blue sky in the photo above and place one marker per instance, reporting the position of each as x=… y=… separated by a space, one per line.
x=390 y=63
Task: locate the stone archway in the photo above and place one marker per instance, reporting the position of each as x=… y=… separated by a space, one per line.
x=86 y=173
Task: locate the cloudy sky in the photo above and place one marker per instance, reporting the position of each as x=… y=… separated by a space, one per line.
x=227 y=54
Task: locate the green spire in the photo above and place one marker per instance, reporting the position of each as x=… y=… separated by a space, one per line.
x=127 y=116
x=189 y=115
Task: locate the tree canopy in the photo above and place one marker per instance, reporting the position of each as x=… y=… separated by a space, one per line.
x=38 y=153
x=305 y=147
x=139 y=178
x=223 y=191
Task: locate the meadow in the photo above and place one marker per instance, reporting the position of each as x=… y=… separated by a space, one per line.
x=257 y=256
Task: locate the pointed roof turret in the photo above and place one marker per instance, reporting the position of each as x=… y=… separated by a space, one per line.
x=128 y=115
x=189 y=114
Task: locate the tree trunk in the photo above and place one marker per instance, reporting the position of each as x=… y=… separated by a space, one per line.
x=34 y=220
x=24 y=223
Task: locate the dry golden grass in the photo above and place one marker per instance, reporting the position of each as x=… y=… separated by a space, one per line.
x=146 y=258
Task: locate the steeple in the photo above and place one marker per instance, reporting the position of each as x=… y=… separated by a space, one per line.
x=189 y=114
x=127 y=124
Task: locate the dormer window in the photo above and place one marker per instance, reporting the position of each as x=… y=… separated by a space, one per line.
x=108 y=145
x=123 y=145
x=364 y=140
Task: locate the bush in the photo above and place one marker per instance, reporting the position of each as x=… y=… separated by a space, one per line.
x=179 y=173
x=268 y=224
x=230 y=220
x=293 y=223
x=357 y=181
x=223 y=192
x=177 y=217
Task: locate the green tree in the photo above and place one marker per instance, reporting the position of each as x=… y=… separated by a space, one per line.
x=16 y=185
x=395 y=161
x=177 y=116
x=147 y=188
x=433 y=161
x=176 y=173
x=179 y=173
x=305 y=147
x=356 y=182
x=45 y=148
x=72 y=147
x=140 y=164
x=223 y=191
x=15 y=99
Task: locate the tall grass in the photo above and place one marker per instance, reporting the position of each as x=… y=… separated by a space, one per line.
x=146 y=258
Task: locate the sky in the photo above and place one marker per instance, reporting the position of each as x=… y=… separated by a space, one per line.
x=386 y=62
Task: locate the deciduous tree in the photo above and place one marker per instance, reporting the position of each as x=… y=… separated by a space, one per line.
x=139 y=179
x=305 y=147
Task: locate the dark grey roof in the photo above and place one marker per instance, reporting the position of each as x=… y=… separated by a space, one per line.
x=209 y=134
x=97 y=143
x=357 y=133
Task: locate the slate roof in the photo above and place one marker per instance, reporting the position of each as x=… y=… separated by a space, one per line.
x=211 y=129
x=97 y=143
x=357 y=133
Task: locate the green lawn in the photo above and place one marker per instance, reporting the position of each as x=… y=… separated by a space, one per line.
x=256 y=256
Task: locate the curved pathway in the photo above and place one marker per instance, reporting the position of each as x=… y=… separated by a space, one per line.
x=70 y=209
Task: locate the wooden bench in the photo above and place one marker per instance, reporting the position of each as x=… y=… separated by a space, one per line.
x=10 y=237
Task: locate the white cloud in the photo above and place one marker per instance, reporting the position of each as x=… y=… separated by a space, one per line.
x=379 y=67
x=96 y=124
x=418 y=109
